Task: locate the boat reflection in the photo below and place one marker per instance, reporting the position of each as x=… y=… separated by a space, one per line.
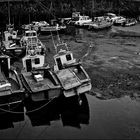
x=8 y=117
x=73 y=114
x=64 y=109
x=42 y=112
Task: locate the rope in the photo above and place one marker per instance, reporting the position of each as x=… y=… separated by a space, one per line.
x=39 y=135
x=11 y=108
x=88 y=52
x=53 y=42
x=31 y=111
x=22 y=128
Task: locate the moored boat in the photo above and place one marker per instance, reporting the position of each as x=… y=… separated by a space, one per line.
x=130 y=22
x=71 y=74
x=79 y=20
x=104 y=24
x=30 y=39
x=52 y=28
x=11 y=43
x=11 y=89
x=120 y=21
x=38 y=80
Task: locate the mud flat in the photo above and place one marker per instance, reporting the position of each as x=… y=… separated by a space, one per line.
x=113 y=63
x=132 y=31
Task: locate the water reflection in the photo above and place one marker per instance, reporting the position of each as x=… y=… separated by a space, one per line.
x=16 y=114
x=72 y=114
x=42 y=112
x=67 y=110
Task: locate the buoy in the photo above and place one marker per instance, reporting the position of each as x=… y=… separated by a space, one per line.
x=80 y=102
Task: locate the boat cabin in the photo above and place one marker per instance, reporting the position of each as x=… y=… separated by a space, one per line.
x=35 y=54
x=9 y=27
x=30 y=62
x=63 y=58
x=10 y=34
x=34 y=57
x=30 y=37
x=79 y=19
x=30 y=33
x=75 y=14
x=5 y=64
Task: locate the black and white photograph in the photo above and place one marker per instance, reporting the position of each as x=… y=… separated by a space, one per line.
x=69 y=69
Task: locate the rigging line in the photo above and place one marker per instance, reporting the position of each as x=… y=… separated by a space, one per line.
x=88 y=51
x=31 y=111
x=12 y=108
x=53 y=42
x=21 y=129
x=44 y=7
x=59 y=40
x=42 y=131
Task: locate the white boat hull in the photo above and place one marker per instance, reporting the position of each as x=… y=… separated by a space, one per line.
x=79 y=90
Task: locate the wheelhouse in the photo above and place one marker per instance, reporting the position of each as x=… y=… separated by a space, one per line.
x=63 y=58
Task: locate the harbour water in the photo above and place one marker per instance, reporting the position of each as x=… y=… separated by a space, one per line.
x=65 y=119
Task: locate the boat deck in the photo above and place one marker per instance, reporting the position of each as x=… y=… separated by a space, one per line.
x=4 y=91
x=68 y=78
x=14 y=85
x=35 y=86
x=8 y=90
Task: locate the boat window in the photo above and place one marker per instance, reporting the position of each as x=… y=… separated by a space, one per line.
x=68 y=57
x=37 y=60
x=75 y=18
x=34 y=34
x=27 y=34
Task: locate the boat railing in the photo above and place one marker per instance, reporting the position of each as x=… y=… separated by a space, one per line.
x=13 y=70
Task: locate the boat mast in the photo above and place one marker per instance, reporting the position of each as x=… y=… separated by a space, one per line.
x=9 y=12
x=55 y=47
x=93 y=7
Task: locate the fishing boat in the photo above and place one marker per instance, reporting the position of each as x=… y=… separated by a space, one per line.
x=100 y=25
x=11 y=43
x=30 y=37
x=11 y=89
x=54 y=27
x=39 y=81
x=79 y=20
x=130 y=22
x=47 y=29
x=120 y=21
x=71 y=74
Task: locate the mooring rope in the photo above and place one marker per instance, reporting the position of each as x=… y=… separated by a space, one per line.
x=12 y=108
x=31 y=111
x=88 y=51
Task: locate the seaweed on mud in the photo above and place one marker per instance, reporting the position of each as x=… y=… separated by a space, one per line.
x=115 y=83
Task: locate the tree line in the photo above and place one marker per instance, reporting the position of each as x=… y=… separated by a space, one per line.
x=35 y=10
